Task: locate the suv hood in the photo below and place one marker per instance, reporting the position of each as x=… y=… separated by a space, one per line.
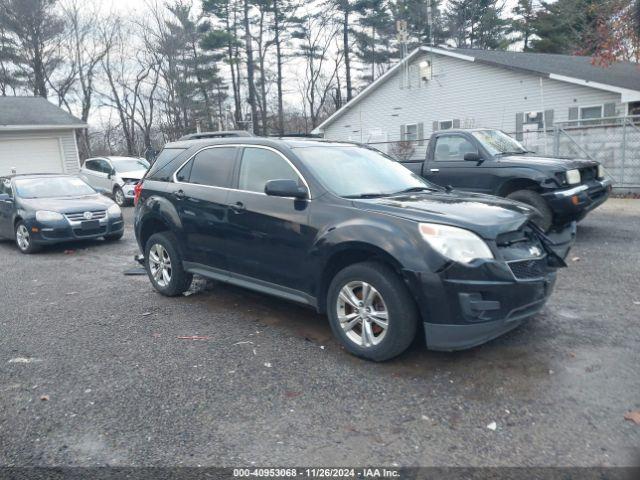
x=134 y=174
x=68 y=204
x=552 y=163
x=486 y=215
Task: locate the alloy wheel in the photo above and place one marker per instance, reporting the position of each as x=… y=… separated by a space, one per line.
x=160 y=265
x=362 y=313
x=119 y=197
x=22 y=238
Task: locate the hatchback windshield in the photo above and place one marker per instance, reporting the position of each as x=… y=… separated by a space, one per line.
x=129 y=164
x=497 y=142
x=50 y=187
x=352 y=171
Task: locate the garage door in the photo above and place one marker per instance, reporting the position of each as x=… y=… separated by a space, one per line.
x=30 y=155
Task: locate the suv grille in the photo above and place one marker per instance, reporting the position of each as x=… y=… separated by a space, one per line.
x=79 y=216
x=529 y=269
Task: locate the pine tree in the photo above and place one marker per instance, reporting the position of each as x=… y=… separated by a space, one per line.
x=523 y=23
x=476 y=23
x=376 y=38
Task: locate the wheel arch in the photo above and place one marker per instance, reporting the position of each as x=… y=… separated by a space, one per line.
x=515 y=184
x=349 y=254
x=151 y=225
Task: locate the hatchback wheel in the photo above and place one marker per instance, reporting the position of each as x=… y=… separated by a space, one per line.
x=164 y=265
x=371 y=311
x=23 y=239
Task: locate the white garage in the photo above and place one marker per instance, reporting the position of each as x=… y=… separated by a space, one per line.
x=37 y=137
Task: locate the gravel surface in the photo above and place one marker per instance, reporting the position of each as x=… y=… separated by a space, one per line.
x=93 y=372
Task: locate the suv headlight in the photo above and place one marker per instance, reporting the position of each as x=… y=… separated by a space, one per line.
x=600 y=171
x=573 y=177
x=47 y=216
x=457 y=244
x=114 y=211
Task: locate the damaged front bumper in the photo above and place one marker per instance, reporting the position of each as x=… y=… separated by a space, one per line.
x=466 y=305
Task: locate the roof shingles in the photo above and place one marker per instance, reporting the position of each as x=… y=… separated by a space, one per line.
x=34 y=112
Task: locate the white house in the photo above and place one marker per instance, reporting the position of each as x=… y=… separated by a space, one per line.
x=441 y=88
x=37 y=137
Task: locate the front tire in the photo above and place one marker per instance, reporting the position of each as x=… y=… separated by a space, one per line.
x=23 y=238
x=371 y=311
x=543 y=217
x=118 y=196
x=164 y=265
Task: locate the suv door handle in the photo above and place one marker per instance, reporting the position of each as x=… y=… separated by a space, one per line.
x=434 y=170
x=179 y=194
x=237 y=207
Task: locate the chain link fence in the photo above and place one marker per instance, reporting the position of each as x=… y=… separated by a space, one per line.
x=612 y=141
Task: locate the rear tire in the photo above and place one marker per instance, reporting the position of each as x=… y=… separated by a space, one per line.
x=164 y=266
x=358 y=320
x=24 y=242
x=543 y=217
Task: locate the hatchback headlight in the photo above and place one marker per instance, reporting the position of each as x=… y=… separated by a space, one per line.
x=457 y=244
x=600 y=171
x=47 y=216
x=573 y=177
x=114 y=211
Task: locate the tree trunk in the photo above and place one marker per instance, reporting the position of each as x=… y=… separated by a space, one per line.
x=276 y=14
x=345 y=40
x=250 y=67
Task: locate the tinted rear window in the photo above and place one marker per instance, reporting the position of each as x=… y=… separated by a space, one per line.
x=158 y=170
x=213 y=167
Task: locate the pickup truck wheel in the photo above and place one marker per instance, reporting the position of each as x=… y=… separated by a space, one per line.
x=164 y=265
x=543 y=217
x=371 y=311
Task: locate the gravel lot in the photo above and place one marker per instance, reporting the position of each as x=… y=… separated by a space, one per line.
x=270 y=386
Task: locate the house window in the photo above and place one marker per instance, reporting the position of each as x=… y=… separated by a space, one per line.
x=411 y=132
x=633 y=108
x=591 y=113
x=445 y=125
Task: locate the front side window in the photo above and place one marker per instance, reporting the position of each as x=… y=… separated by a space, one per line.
x=352 y=171
x=453 y=148
x=259 y=166
x=5 y=187
x=91 y=165
x=103 y=166
x=499 y=143
x=212 y=167
x=52 y=187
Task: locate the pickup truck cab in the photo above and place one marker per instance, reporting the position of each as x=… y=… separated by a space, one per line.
x=489 y=161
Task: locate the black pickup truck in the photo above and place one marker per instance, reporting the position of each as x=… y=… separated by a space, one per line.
x=489 y=161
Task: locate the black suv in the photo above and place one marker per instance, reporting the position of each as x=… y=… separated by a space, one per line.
x=350 y=232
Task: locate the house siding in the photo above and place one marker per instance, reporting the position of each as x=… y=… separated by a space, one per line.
x=66 y=139
x=476 y=94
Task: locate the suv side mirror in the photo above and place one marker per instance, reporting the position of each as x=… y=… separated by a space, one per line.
x=5 y=197
x=472 y=157
x=285 y=188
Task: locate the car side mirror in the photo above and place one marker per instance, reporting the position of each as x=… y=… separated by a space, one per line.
x=285 y=188
x=111 y=173
x=472 y=157
x=5 y=197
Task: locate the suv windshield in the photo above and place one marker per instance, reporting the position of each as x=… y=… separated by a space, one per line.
x=352 y=171
x=50 y=187
x=497 y=142
x=129 y=164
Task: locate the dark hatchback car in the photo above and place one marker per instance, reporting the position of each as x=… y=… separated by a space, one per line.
x=351 y=233
x=43 y=209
